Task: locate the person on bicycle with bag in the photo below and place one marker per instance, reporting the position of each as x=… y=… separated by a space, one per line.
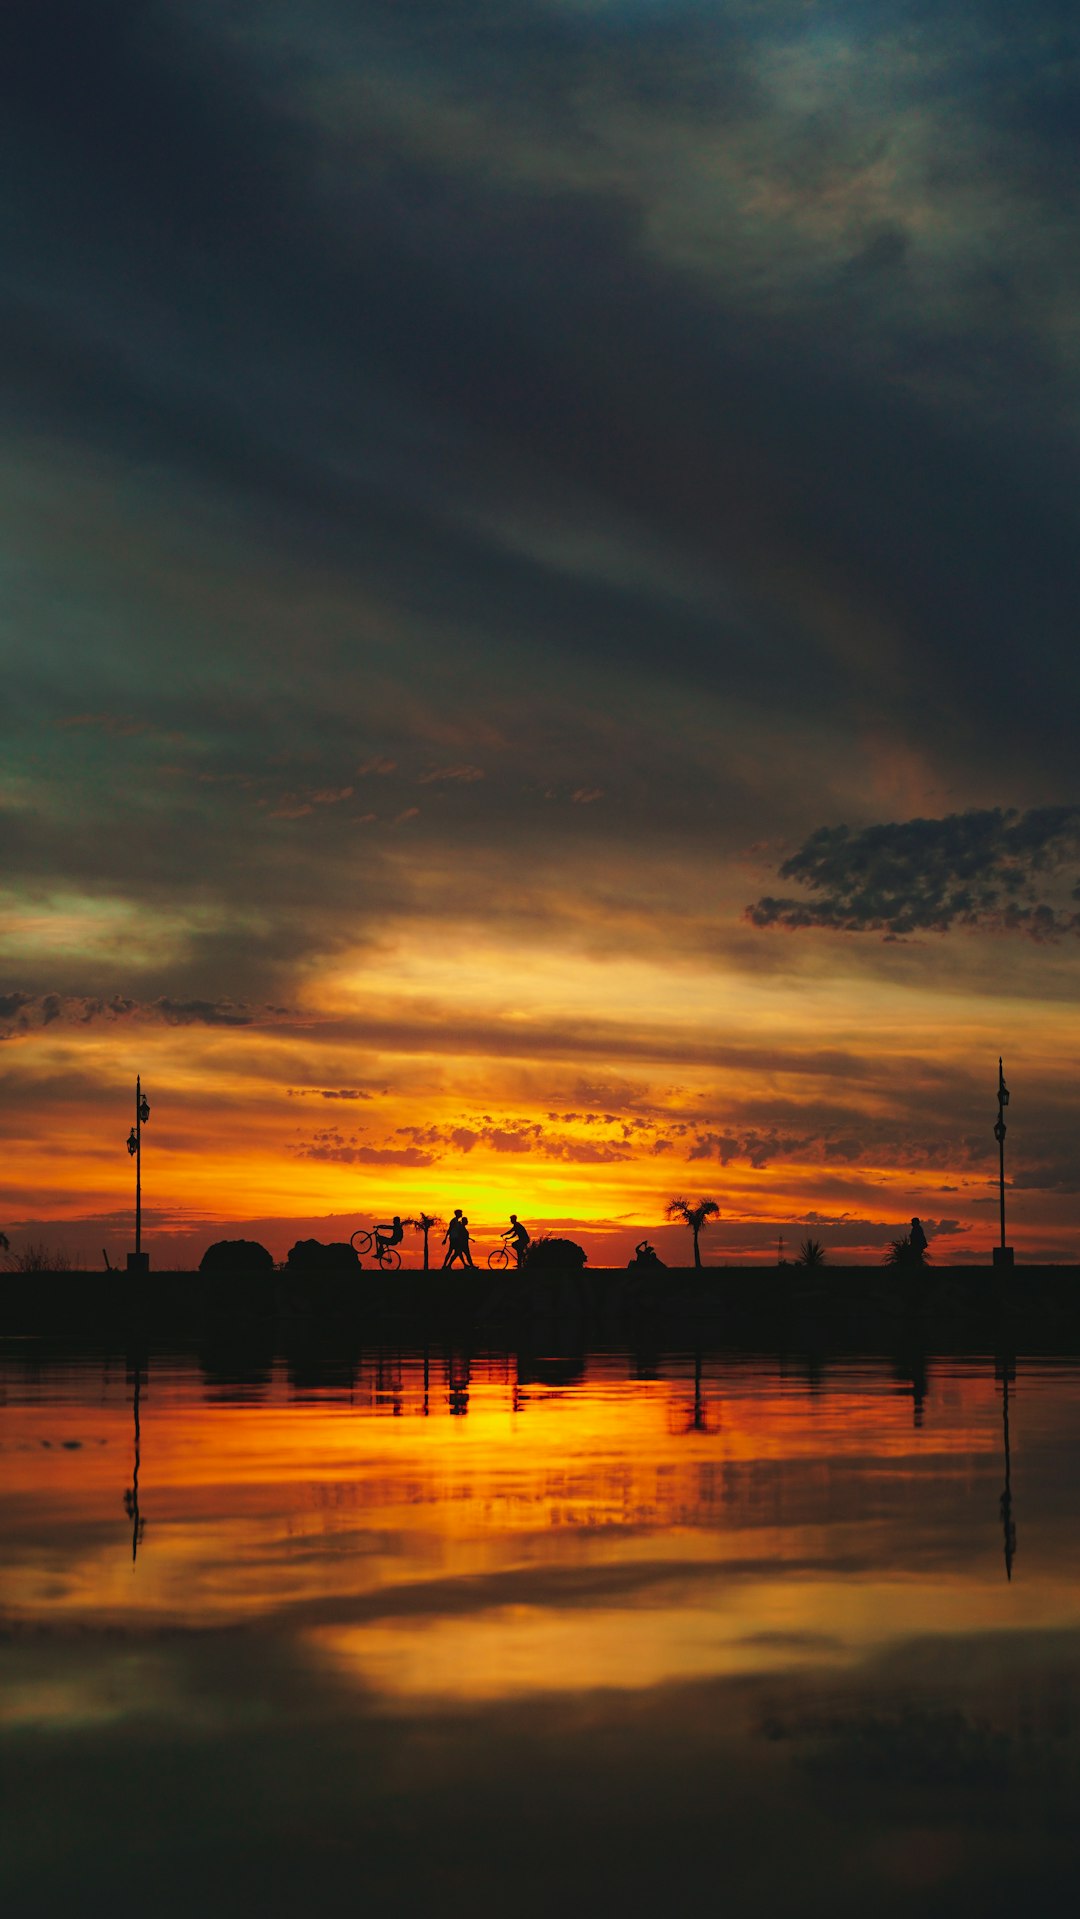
x=519 y=1237
x=388 y=1236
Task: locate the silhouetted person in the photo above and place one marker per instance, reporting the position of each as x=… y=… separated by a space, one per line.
x=457 y=1234
x=918 y=1242
x=451 y=1239
x=388 y=1236
x=519 y=1237
x=644 y=1255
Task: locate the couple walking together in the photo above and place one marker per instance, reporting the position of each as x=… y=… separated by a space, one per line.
x=456 y=1241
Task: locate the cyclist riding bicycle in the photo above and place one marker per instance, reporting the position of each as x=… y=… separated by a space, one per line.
x=388 y=1236
x=519 y=1235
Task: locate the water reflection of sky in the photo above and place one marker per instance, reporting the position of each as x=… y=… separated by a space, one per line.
x=775 y=1579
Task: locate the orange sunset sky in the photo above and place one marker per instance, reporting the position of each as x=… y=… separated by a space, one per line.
x=539 y=628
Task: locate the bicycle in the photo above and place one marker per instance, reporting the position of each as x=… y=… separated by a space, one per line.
x=498 y=1258
x=363 y=1242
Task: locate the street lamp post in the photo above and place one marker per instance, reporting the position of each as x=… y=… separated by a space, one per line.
x=1003 y=1255
x=138 y=1261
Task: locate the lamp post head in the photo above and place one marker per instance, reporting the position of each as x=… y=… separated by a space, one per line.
x=144 y=1109
x=133 y=1142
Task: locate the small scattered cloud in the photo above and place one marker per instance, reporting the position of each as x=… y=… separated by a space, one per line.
x=23 y=1013
x=328 y=1092
x=349 y=1154
x=296 y=806
x=464 y=774
x=521 y=1138
x=120 y=725
x=291 y=809
x=993 y=869
x=755 y=1147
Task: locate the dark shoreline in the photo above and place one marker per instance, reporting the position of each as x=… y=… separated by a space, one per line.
x=843 y=1308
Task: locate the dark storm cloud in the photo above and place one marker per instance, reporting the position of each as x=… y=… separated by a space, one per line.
x=990 y=869
x=334 y=280
x=543 y=361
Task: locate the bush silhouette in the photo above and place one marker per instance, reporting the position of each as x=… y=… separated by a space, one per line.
x=37 y=1257
x=312 y=1256
x=548 y=1252
x=237 y=1256
x=901 y=1252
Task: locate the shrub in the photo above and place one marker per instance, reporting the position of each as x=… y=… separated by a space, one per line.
x=36 y=1257
x=237 y=1256
x=901 y=1252
x=547 y=1252
x=312 y=1256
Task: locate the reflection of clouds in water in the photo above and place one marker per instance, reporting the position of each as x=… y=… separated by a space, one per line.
x=544 y=1651
x=252 y=1765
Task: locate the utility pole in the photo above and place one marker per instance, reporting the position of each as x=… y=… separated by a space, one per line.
x=1003 y=1255
x=138 y=1261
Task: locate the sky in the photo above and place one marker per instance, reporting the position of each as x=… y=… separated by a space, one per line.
x=539 y=568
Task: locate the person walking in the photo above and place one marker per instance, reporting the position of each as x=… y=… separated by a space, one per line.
x=456 y=1240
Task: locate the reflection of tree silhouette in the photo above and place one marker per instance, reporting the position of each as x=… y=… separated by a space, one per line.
x=1006 y=1370
x=322 y=1357
x=131 y=1495
x=909 y=1369
x=237 y=1361
x=696 y=1418
x=388 y=1381
x=549 y=1369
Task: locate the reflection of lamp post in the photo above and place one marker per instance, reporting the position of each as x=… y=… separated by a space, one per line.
x=131 y=1496
x=1008 y=1524
x=138 y=1261
x=1003 y=1255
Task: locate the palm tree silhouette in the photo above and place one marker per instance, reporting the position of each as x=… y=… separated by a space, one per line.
x=694 y=1217
x=423 y=1223
x=811 y=1253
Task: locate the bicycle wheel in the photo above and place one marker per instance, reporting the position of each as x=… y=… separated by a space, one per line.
x=389 y=1257
x=499 y=1258
x=361 y=1241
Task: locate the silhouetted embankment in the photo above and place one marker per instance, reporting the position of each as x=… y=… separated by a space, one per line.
x=842 y=1307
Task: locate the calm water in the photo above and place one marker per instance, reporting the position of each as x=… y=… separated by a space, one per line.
x=441 y=1634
